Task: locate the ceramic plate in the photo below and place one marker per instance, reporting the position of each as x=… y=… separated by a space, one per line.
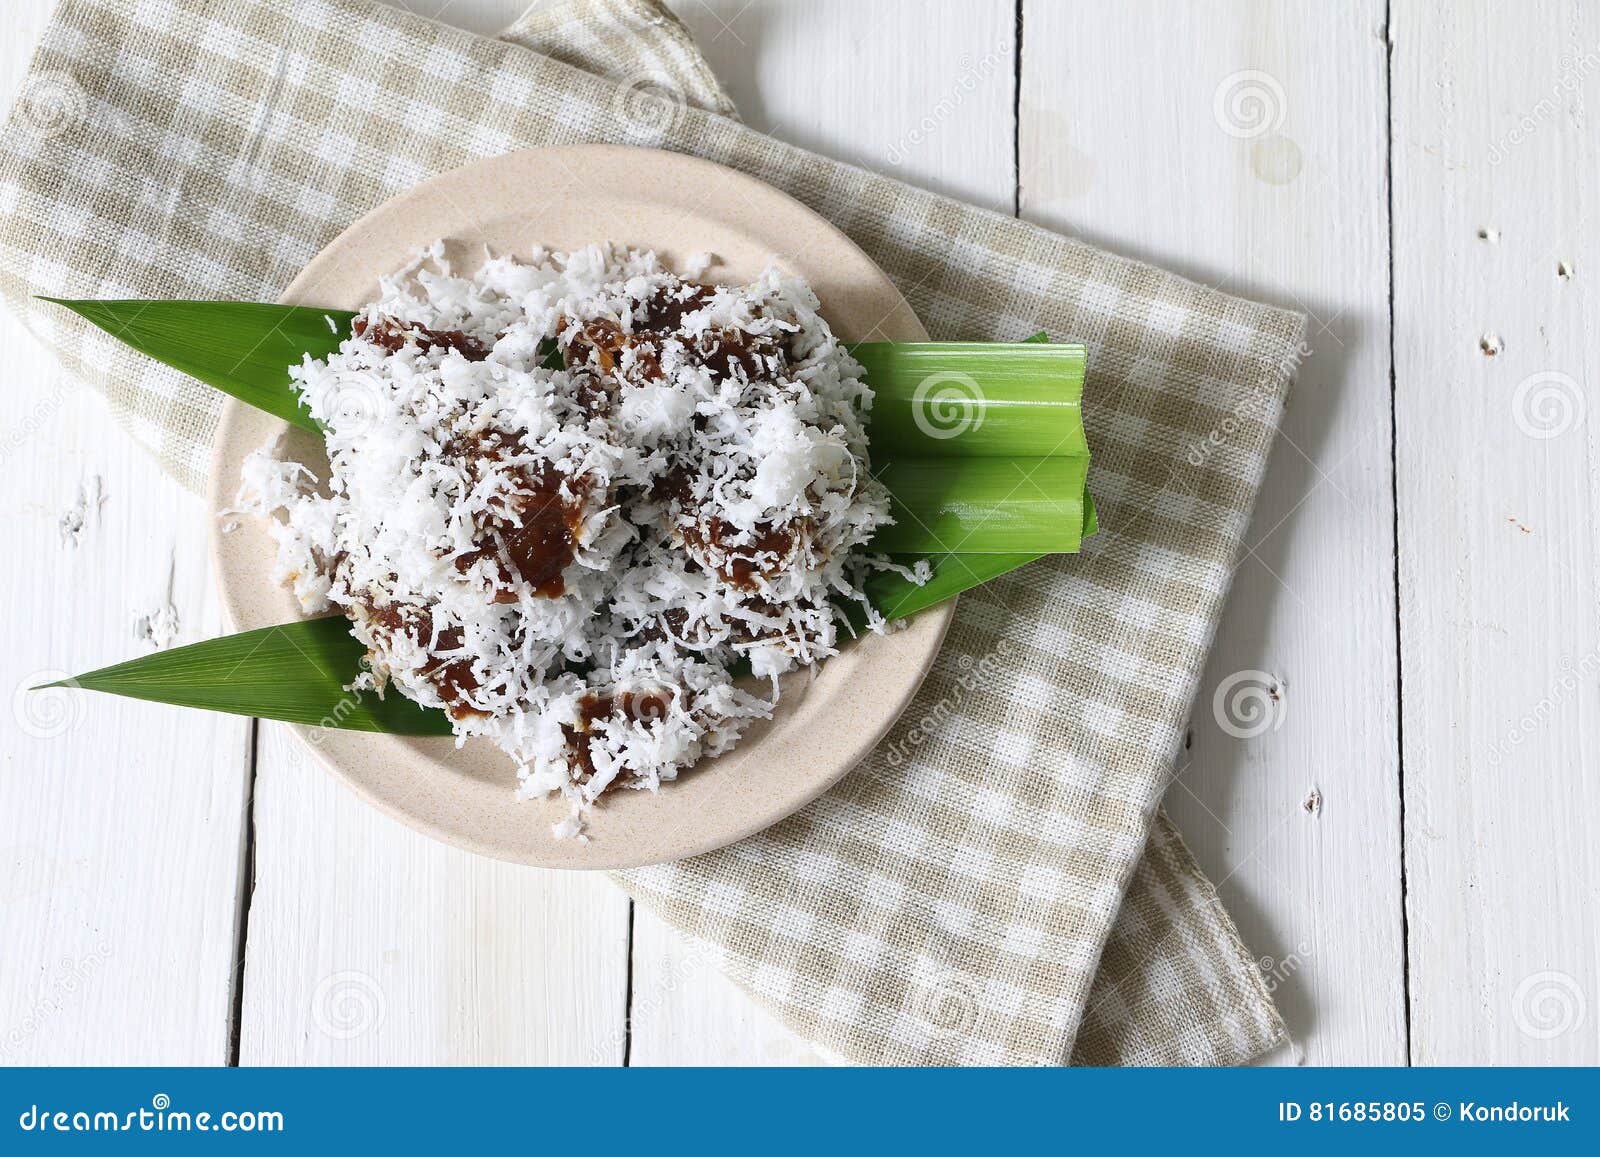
x=563 y=198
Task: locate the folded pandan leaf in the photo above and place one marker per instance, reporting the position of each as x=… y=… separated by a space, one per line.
x=985 y=505
x=975 y=399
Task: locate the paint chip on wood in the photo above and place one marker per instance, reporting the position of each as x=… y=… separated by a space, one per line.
x=1564 y=270
x=1491 y=345
x=84 y=511
x=1313 y=803
x=157 y=628
x=1490 y=234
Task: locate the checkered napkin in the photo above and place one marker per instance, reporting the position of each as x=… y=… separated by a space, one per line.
x=995 y=884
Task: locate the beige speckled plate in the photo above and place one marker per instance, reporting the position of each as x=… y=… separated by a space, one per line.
x=562 y=198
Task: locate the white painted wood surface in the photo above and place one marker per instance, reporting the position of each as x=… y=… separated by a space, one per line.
x=1244 y=144
x=120 y=823
x=1496 y=163
x=1259 y=168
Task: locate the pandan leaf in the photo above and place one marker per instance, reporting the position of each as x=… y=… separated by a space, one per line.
x=975 y=399
x=239 y=347
x=984 y=505
x=296 y=672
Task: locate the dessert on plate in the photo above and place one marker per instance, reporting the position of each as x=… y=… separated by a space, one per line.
x=572 y=499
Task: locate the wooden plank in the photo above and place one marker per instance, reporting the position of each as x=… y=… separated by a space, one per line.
x=941 y=117
x=1243 y=144
x=1495 y=162
x=120 y=822
x=369 y=943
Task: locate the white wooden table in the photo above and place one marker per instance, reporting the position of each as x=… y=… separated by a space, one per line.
x=1409 y=845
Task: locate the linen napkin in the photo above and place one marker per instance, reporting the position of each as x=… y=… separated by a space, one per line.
x=995 y=884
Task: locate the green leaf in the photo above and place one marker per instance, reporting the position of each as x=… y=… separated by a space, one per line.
x=985 y=505
x=240 y=347
x=975 y=399
x=296 y=672
x=897 y=597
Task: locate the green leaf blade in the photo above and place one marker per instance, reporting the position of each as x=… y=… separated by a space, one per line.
x=242 y=348
x=897 y=597
x=295 y=673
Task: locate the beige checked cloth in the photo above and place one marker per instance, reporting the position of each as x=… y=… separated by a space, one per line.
x=995 y=885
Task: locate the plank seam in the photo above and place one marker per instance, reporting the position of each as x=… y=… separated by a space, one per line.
x=246 y=893
x=1394 y=504
x=627 y=996
x=1016 y=115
